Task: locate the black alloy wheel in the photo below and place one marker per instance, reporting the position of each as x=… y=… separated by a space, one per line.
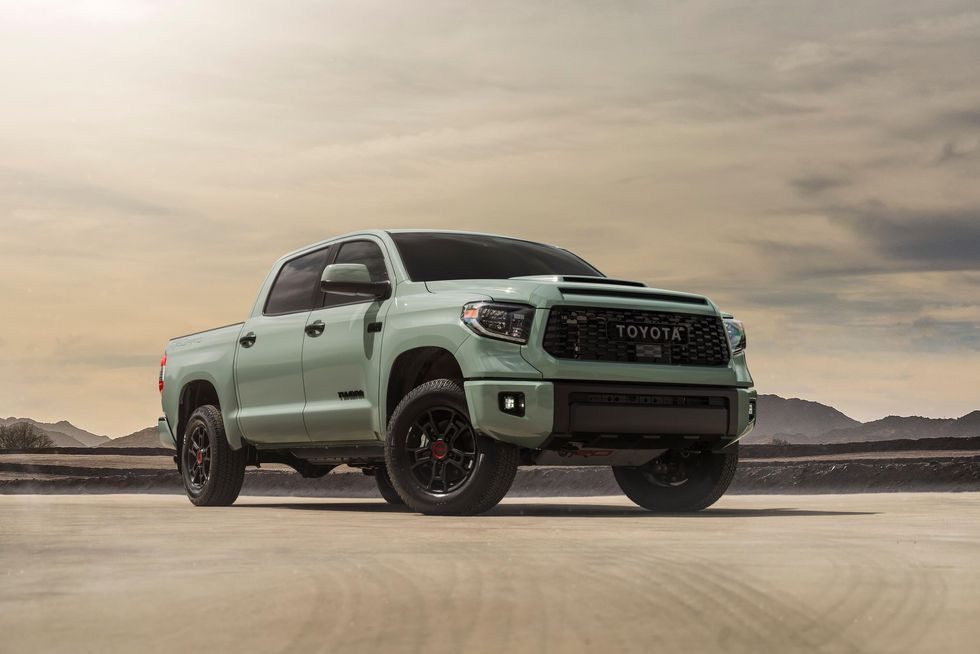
x=443 y=450
x=197 y=458
x=673 y=468
x=437 y=461
x=212 y=472
x=679 y=481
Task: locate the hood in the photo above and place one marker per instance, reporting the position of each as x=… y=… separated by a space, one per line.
x=503 y=290
x=548 y=290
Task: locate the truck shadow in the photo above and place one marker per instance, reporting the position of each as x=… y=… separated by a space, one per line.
x=598 y=511
x=537 y=510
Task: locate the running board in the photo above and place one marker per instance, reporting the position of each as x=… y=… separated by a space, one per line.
x=356 y=454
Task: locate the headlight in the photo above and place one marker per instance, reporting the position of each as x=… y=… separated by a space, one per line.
x=506 y=322
x=736 y=334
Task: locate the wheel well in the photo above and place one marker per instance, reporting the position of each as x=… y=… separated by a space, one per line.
x=416 y=367
x=195 y=394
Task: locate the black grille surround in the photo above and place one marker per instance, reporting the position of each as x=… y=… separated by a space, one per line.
x=580 y=333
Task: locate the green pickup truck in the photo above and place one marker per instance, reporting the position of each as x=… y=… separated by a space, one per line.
x=440 y=361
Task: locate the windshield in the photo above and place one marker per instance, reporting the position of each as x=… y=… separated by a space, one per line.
x=435 y=256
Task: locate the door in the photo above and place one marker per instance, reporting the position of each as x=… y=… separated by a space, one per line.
x=269 y=362
x=341 y=356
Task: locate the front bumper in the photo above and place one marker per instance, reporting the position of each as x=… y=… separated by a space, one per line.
x=618 y=414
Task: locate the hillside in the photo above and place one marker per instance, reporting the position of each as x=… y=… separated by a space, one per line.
x=58 y=439
x=795 y=420
x=148 y=437
x=800 y=421
x=913 y=427
x=62 y=440
x=63 y=433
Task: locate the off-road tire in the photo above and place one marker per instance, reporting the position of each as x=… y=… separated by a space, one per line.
x=706 y=483
x=495 y=463
x=227 y=467
x=386 y=488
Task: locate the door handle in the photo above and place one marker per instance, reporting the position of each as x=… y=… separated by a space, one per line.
x=315 y=328
x=248 y=340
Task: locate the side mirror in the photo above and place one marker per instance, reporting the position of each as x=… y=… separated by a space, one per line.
x=353 y=279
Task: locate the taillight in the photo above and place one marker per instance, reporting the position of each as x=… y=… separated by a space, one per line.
x=163 y=369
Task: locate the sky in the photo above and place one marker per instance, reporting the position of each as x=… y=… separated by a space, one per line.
x=810 y=166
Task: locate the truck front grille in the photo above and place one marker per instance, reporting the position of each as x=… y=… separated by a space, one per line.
x=582 y=333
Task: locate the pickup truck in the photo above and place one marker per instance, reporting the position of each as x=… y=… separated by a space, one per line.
x=440 y=361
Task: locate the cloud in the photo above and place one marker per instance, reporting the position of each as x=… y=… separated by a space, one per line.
x=882 y=244
x=23 y=187
x=918 y=240
x=929 y=334
x=950 y=151
x=715 y=98
x=817 y=184
x=961 y=119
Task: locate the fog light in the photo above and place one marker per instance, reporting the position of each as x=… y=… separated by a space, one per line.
x=751 y=410
x=512 y=403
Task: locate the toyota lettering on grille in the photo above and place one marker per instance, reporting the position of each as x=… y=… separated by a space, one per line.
x=637 y=333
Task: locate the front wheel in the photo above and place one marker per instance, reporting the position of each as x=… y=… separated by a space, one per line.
x=212 y=472
x=437 y=462
x=679 y=481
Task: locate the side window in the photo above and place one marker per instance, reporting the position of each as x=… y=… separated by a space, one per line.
x=297 y=285
x=366 y=252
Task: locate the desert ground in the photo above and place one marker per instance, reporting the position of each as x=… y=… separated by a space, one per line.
x=886 y=572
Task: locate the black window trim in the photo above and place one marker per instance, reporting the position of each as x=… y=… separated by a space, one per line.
x=333 y=257
x=313 y=296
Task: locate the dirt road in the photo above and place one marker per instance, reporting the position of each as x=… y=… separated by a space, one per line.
x=893 y=572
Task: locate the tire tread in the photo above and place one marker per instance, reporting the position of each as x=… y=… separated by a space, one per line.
x=501 y=458
x=227 y=465
x=679 y=499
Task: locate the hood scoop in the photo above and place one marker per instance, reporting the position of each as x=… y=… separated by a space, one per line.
x=578 y=279
x=602 y=280
x=649 y=295
x=626 y=289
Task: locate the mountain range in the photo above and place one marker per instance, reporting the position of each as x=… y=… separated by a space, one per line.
x=63 y=433
x=148 y=437
x=801 y=421
x=789 y=420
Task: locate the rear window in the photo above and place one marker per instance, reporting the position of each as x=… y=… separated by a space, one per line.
x=435 y=256
x=298 y=284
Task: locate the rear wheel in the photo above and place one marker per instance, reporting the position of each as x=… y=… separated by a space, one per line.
x=212 y=472
x=679 y=481
x=386 y=488
x=437 y=462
